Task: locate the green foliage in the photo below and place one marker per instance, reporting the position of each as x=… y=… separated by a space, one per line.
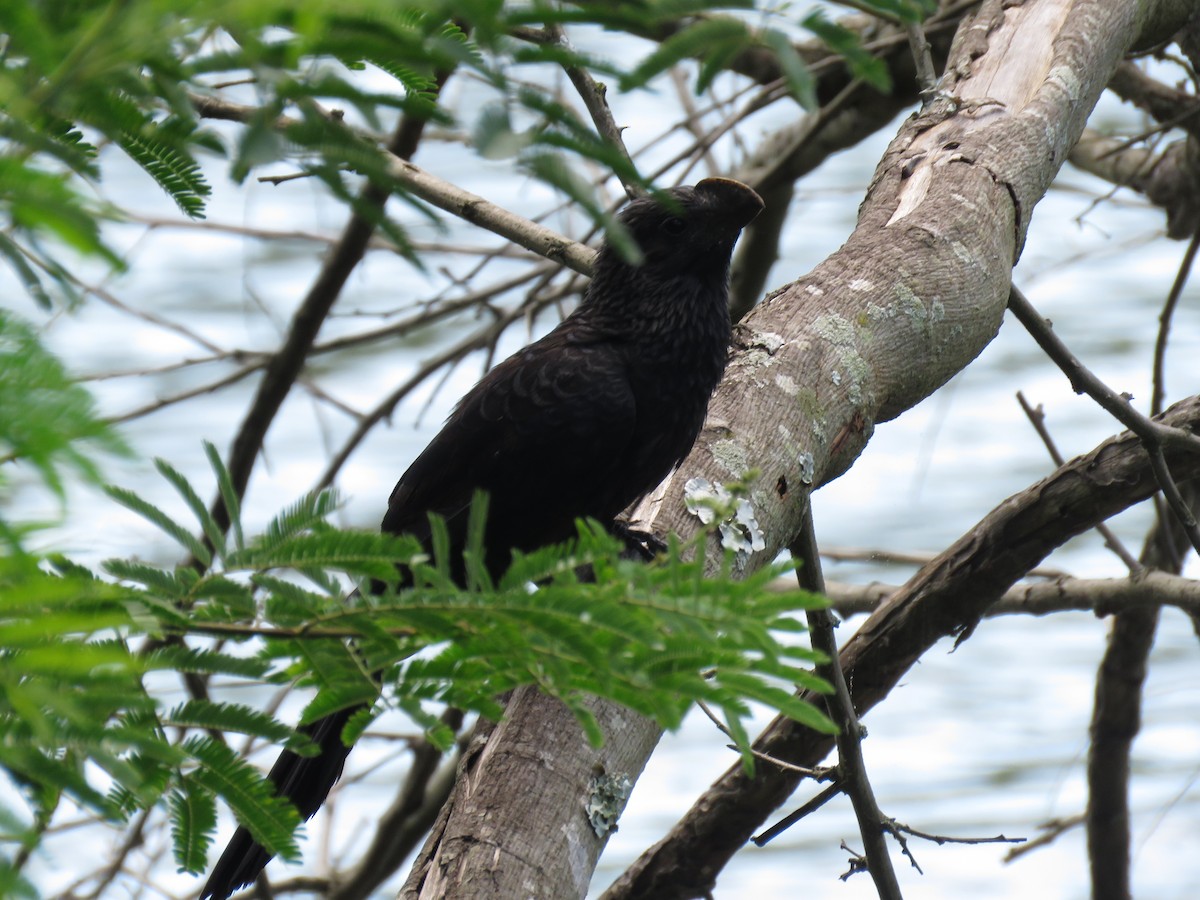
x=81 y=723
x=848 y=45
x=897 y=10
x=176 y=172
x=47 y=421
x=134 y=77
x=714 y=41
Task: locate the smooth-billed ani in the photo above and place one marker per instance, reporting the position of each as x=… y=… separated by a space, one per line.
x=578 y=424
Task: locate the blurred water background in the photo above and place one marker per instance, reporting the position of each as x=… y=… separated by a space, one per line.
x=989 y=739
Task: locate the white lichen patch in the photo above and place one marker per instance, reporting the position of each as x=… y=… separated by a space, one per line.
x=606 y=799
x=808 y=467
x=843 y=334
x=769 y=340
x=787 y=384
x=737 y=524
x=963 y=254
x=731 y=456
x=964 y=200
x=1068 y=78
x=909 y=303
x=877 y=313
x=836 y=329
x=862 y=284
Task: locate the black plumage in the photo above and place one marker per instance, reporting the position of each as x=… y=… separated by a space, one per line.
x=578 y=424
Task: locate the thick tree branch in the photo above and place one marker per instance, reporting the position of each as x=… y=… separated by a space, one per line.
x=1037 y=418
x=1170 y=106
x=1169 y=178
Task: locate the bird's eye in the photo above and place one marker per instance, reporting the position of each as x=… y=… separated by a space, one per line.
x=674 y=226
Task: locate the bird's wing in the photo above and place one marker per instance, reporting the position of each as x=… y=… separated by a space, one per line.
x=542 y=430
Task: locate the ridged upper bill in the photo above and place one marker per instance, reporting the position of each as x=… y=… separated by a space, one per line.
x=739 y=200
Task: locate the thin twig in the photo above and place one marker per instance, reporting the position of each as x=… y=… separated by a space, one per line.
x=277 y=234
x=922 y=59
x=1099 y=596
x=593 y=95
x=946 y=839
x=448 y=197
x=852 y=770
x=134 y=837
x=822 y=773
x=287 y=363
x=692 y=117
x=231 y=629
x=1164 y=324
x=478 y=339
x=1050 y=832
x=209 y=388
x=1153 y=435
x=817 y=774
x=891 y=557
x=765 y=837
x=1037 y=418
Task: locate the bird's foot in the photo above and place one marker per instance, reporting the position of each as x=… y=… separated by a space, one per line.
x=644 y=545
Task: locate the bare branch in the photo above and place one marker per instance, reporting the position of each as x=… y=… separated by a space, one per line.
x=852 y=769
x=450 y=198
x=1037 y=418
x=593 y=95
x=1164 y=324
x=1051 y=830
x=922 y=58
x=1100 y=596
x=1117 y=716
x=1155 y=436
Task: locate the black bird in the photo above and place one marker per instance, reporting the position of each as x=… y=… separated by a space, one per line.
x=578 y=424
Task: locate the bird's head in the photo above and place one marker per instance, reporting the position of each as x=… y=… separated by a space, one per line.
x=695 y=231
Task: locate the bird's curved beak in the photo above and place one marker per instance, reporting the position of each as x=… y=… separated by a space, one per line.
x=738 y=201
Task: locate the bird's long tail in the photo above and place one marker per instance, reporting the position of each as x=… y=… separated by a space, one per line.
x=305 y=781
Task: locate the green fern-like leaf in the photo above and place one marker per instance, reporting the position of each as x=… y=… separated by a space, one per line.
x=354 y=552
x=555 y=170
x=193 y=821
x=298 y=517
x=212 y=531
x=165 y=523
x=176 y=173
x=269 y=819
x=800 y=80
x=169 y=585
x=206 y=662
x=46 y=419
x=209 y=715
x=228 y=493
x=848 y=44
